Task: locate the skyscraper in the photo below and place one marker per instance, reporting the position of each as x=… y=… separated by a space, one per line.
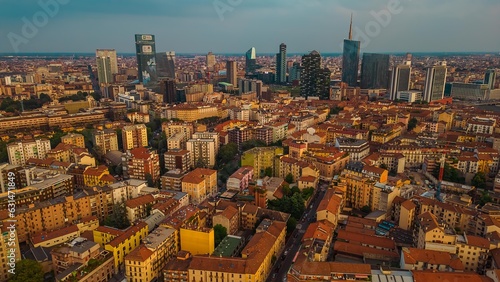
x=169 y=91
x=166 y=64
x=400 y=79
x=314 y=81
x=350 y=60
x=281 y=64
x=434 y=82
x=146 y=57
x=210 y=61
x=250 y=61
x=294 y=72
x=232 y=72
x=374 y=71
x=490 y=78
x=107 y=65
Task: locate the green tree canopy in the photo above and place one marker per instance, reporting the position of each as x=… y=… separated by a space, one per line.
x=479 y=180
x=247 y=145
x=268 y=172
x=227 y=153
x=118 y=218
x=412 y=124
x=27 y=270
x=220 y=232
x=289 y=178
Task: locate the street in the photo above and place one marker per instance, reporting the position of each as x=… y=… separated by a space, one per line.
x=283 y=262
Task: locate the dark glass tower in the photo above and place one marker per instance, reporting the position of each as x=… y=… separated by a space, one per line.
x=314 y=81
x=281 y=64
x=374 y=71
x=400 y=79
x=435 y=81
x=169 y=90
x=250 y=61
x=146 y=58
x=166 y=64
x=350 y=60
x=490 y=78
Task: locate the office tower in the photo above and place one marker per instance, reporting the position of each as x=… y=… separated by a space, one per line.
x=400 y=79
x=232 y=72
x=434 y=82
x=314 y=81
x=166 y=64
x=490 y=78
x=350 y=60
x=134 y=136
x=146 y=57
x=374 y=71
x=169 y=90
x=294 y=73
x=250 y=61
x=210 y=61
x=106 y=65
x=281 y=64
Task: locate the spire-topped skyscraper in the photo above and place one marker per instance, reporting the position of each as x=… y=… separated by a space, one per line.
x=350 y=59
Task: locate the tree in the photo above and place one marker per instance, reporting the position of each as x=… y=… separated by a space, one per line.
x=200 y=163
x=27 y=270
x=227 y=153
x=479 y=180
x=412 y=124
x=307 y=193
x=56 y=137
x=150 y=180
x=290 y=225
x=286 y=189
x=247 y=145
x=366 y=209
x=485 y=198
x=289 y=178
x=383 y=166
x=220 y=232
x=268 y=172
x=120 y=138
x=118 y=219
x=4 y=157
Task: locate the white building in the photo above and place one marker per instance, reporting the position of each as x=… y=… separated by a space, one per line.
x=20 y=152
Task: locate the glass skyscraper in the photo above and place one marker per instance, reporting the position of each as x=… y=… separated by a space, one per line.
x=350 y=60
x=146 y=58
x=250 y=61
x=400 y=79
x=374 y=71
x=434 y=82
x=166 y=64
x=490 y=78
x=281 y=64
x=106 y=65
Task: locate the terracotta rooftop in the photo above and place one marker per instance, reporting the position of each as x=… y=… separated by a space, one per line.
x=141 y=253
x=415 y=256
x=45 y=236
x=433 y=276
x=140 y=201
x=128 y=233
x=361 y=239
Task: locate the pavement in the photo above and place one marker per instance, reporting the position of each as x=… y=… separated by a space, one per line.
x=284 y=262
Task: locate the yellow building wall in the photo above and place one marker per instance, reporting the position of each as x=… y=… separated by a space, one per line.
x=119 y=252
x=197 y=242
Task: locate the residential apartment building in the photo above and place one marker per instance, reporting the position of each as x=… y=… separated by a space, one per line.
x=74 y=139
x=261 y=158
x=134 y=136
x=138 y=163
x=200 y=184
x=204 y=149
x=178 y=159
x=20 y=152
x=146 y=262
x=106 y=140
x=240 y=179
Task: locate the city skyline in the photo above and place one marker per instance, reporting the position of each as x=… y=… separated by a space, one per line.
x=251 y=24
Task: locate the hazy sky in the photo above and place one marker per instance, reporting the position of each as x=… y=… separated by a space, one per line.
x=234 y=26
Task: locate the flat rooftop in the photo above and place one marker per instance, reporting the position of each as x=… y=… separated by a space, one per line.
x=228 y=246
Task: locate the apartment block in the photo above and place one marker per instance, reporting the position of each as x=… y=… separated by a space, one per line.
x=138 y=163
x=134 y=136
x=20 y=152
x=74 y=139
x=178 y=159
x=200 y=184
x=106 y=140
x=146 y=262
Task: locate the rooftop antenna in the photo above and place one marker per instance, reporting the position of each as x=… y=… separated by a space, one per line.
x=350 y=29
